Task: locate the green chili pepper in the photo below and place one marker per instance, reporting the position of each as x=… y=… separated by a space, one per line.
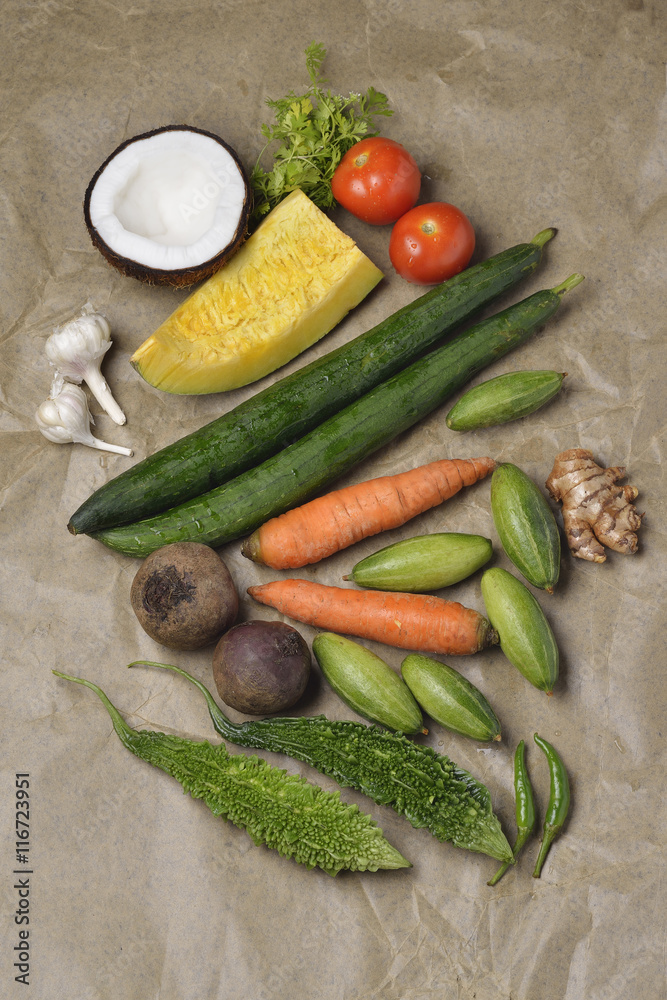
x=559 y=801
x=524 y=806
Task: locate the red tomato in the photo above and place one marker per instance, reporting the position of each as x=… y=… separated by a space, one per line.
x=377 y=180
x=431 y=243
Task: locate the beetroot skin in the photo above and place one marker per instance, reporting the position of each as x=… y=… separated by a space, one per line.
x=261 y=667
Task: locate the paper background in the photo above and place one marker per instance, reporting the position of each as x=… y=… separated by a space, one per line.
x=525 y=114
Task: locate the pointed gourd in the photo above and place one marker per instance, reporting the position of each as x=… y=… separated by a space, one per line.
x=367 y=684
x=526 y=526
x=450 y=698
x=526 y=637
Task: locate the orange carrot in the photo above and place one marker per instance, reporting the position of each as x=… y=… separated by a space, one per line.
x=323 y=526
x=411 y=621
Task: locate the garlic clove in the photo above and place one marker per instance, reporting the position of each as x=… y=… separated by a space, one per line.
x=65 y=419
x=76 y=350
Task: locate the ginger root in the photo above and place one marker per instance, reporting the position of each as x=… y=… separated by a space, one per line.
x=595 y=509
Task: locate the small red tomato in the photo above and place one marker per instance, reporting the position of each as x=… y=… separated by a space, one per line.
x=377 y=180
x=431 y=243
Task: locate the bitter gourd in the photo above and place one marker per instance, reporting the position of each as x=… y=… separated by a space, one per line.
x=284 y=811
x=429 y=789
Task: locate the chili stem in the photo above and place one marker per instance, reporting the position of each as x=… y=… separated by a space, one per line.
x=518 y=844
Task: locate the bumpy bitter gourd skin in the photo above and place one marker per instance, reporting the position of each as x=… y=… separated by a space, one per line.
x=426 y=787
x=283 y=811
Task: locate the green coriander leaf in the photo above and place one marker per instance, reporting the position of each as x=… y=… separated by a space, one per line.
x=310 y=135
x=315 y=56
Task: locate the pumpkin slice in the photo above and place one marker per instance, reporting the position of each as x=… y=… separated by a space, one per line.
x=290 y=283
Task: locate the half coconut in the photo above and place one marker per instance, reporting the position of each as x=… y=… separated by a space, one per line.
x=170 y=206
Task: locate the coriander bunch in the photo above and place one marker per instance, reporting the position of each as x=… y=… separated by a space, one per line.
x=311 y=133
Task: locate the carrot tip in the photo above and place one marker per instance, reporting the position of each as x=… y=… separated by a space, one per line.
x=491 y=637
x=251 y=549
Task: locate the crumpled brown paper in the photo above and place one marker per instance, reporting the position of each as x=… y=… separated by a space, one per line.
x=525 y=115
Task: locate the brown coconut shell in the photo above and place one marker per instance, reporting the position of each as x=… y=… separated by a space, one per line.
x=179 y=277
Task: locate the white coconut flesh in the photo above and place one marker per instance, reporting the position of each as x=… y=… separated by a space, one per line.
x=169 y=201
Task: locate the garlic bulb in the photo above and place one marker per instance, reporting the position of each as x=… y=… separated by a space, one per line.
x=76 y=351
x=65 y=418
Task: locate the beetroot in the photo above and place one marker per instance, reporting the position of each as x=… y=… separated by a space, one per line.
x=261 y=667
x=183 y=595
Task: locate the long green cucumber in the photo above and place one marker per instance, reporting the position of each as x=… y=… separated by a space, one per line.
x=285 y=411
x=302 y=469
x=426 y=787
